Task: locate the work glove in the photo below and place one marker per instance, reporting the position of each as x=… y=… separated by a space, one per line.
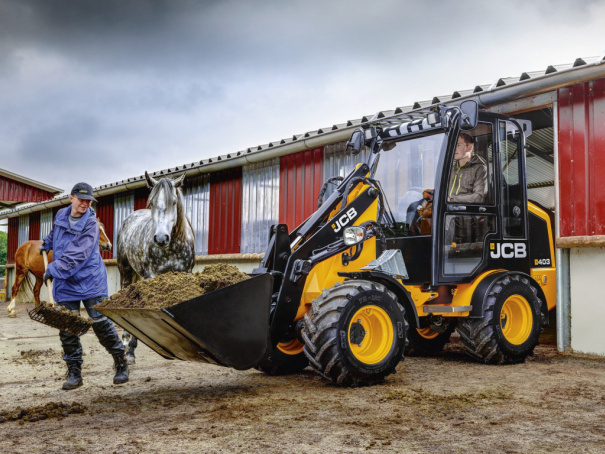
x=47 y=277
x=42 y=248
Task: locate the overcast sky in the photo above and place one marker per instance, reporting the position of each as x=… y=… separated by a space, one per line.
x=103 y=90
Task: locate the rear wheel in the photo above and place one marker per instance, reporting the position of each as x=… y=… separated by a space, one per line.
x=510 y=326
x=287 y=358
x=355 y=333
x=426 y=341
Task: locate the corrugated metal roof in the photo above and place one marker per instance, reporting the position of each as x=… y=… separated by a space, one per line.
x=499 y=84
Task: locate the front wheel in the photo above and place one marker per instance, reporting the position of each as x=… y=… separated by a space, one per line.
x=355 y=333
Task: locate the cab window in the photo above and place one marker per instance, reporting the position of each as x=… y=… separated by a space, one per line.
x=471 y=173
x=407 y=175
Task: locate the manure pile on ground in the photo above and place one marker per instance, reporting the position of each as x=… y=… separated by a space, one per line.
x=35 y=356
x=171 y=288
x=50 y=410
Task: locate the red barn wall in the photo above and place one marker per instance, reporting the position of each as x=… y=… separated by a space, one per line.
x=15 y=191
x=225 y=212
x=581 y=115
x=105 y=214
x=300 y=181
x=13 y=239
x=140 y=198
x=34 y=225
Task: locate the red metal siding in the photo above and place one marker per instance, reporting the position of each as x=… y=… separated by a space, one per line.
x=300 y=180
x=15 y=191
x=105 y=214
x=13 y=239
x=56 y=209
x=140 y=198
x=225 y=211
x=34 y=225
x=581 y=113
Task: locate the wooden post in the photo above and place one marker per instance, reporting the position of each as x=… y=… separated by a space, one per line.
x=48 y=283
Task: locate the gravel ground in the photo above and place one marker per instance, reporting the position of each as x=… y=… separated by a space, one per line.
x=551 y=403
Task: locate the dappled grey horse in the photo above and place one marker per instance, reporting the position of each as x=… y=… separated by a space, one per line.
x=156 y=240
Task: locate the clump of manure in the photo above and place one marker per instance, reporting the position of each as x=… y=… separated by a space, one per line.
x=171 y=288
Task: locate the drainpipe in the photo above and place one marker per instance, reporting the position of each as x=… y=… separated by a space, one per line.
x=561 y=257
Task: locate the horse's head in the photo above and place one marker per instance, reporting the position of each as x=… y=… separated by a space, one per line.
x=104 y=242
x=164 y=202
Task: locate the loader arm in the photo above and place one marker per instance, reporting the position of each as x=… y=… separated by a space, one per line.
x=317 y=244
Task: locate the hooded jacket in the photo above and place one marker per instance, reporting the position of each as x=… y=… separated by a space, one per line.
x=468 y=183
x=77 y=268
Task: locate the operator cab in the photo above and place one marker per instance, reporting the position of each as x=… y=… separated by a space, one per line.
x=454 y=221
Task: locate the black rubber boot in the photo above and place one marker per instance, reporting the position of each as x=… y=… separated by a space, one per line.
x=74 y=379
x=121 y=367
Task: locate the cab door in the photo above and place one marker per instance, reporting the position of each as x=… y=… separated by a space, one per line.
x=510 y=251
x=468 y=215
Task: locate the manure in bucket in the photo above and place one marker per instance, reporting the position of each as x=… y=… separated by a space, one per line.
x=172 y=288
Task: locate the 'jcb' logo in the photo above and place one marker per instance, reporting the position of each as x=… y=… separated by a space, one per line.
x=344 y=220
x=508 y=250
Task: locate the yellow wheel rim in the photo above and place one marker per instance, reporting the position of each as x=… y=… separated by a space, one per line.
x=516 y=319
x=293 y=347
x=427 y=333
x=373 y=334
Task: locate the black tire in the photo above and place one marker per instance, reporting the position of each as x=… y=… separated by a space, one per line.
x=331 y=350
x=483 y=338
x=419 y=345
x=280 y=363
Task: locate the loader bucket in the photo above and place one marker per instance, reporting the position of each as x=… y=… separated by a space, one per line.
x=228 y=327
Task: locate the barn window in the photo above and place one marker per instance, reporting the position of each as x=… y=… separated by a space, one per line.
x=46 y=222
x=260 y=203
x=339 y=162
x=123 y=206
x=23 y=229
x=197 y=198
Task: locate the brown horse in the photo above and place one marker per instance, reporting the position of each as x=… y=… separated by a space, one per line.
x=28 y=258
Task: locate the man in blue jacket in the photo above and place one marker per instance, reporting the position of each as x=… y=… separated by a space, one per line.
x=79 y=275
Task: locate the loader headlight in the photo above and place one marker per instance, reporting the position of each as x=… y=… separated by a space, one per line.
x=353 y=235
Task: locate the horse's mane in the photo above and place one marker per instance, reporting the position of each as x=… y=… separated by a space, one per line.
x=166 y=184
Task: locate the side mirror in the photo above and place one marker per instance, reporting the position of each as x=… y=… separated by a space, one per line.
x=470 y=113
x=356 y=141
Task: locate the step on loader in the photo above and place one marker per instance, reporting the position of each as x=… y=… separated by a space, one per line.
x=433 y=234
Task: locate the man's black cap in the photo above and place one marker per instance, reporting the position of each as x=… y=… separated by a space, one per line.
x=83 y=191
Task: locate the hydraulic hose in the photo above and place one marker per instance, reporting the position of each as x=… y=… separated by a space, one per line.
x=369 y=182
x=324 y=188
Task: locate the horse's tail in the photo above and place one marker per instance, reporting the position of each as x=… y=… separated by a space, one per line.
x=28 y=282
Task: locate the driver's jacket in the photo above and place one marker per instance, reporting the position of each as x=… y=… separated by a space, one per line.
x=468 y=183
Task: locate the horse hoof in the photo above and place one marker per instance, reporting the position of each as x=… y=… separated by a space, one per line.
x=12 y=315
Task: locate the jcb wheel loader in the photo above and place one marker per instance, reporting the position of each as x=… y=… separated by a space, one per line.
x=395 y=259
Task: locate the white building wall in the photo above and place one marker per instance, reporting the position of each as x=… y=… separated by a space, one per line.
x=587 y=272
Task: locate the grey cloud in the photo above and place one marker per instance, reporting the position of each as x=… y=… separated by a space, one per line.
x=136 y=85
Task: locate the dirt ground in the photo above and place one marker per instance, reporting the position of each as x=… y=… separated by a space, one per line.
x=551 y=403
